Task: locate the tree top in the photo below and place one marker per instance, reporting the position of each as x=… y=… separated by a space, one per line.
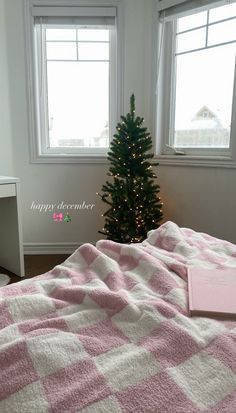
x=132 y=104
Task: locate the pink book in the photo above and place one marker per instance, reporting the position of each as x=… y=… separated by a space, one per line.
x=212 y=292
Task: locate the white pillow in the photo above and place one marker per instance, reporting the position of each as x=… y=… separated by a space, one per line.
x=4 y=280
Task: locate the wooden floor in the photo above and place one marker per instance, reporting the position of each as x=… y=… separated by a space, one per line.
x=35 y=265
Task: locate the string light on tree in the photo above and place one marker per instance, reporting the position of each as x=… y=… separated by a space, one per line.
x=134 y=207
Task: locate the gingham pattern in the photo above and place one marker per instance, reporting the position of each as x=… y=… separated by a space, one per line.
x=108 y=331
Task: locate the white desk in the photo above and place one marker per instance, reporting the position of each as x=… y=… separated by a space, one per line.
x=11 y=240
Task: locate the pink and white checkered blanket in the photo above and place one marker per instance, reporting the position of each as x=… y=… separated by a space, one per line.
x=108 y=331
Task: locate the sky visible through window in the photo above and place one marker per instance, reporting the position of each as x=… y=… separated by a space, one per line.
x=78 y=87
x=205 y=77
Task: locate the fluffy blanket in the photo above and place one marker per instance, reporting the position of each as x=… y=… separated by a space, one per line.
x=108 y=331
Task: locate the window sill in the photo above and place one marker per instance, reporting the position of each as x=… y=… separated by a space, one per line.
x=204 y=161
x=60 y=159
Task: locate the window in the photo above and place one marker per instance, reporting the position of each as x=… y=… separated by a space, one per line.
x=197 y=72
x=73 y=66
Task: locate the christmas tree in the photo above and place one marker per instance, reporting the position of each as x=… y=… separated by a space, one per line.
x=132 y=195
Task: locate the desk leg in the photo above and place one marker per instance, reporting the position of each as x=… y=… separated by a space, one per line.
x=11 y=245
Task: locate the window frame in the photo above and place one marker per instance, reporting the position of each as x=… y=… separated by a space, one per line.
x=39 y=152
x=165 y=107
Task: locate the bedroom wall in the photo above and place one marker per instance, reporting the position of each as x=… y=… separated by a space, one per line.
x=6 y=152
x=201 y=198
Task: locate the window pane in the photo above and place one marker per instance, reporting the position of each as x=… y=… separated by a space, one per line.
x=78 y=102
x=93 y=34
x=93 y=51
x=224 y=12
x=60 y=34
x=222 y=32
x=191 y=40
x=194 y=20
x=61 y=50
x=204 y=89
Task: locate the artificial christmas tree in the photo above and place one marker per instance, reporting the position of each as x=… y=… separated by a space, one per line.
x=132 y=196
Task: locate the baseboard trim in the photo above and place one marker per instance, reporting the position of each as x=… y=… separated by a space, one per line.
x=46 y=248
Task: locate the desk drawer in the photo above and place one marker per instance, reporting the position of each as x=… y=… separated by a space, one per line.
x=7 y=190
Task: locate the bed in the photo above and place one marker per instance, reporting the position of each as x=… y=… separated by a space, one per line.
x=108 y=331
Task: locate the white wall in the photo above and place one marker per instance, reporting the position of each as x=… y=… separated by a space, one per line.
x=6 y=153
x=201 y=198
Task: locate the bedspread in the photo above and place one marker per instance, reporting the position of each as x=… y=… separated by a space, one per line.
x=108 y=331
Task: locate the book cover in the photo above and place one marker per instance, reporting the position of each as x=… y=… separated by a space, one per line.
x=212 y=292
